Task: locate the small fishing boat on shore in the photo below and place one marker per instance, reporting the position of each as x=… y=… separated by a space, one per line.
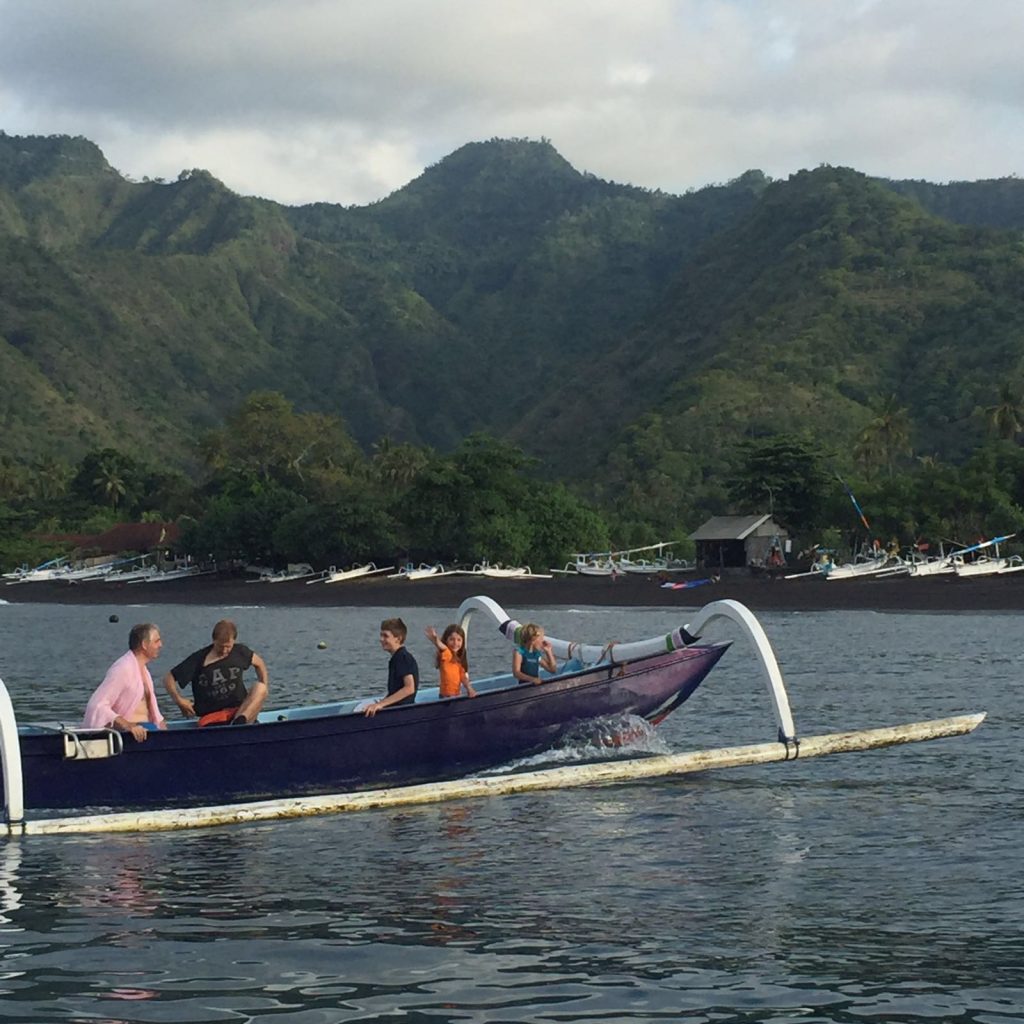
x=502 y=572
x=355 y=572
x=137 y=575
x=87 y=573
x=616 y=563
x=970 y=562
x=292 y=572
x=938 y=565
x=987 y=560
x=419 y=572
x=47 y=571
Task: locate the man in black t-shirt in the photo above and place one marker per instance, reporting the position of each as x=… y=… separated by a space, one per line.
x=219 y=694
x=403 y=672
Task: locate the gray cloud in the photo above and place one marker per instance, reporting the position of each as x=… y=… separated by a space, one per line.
x=346 y=101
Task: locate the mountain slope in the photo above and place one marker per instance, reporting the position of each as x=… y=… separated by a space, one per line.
x=832 y=295
x=502 y=289
x=543 y=268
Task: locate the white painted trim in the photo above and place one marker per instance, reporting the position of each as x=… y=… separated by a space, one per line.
x=10 y=761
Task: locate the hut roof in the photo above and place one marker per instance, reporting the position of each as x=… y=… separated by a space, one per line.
x=731 y=527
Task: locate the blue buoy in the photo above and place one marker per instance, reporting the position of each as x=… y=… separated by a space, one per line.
x=114 y=618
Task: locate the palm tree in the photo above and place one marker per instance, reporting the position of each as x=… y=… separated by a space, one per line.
x=51 y=477
x=397 y=464
x=1006 y=417
x=885 y=438
x=111 y=483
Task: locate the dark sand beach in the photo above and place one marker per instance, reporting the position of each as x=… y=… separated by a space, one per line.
x=941 y=593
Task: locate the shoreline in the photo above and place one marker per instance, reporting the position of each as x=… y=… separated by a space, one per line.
x=935 y=594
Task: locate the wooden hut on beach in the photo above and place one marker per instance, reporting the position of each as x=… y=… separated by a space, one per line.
x=735 y=542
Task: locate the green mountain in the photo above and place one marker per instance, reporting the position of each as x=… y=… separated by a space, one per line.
x=539 y=267
x=148 y=311
x=831 y=296
x=609 y=329
x=995 y=203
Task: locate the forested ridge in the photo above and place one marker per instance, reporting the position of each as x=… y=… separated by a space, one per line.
x=649 y=350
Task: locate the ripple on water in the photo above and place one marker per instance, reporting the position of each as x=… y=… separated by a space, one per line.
x=882 y=886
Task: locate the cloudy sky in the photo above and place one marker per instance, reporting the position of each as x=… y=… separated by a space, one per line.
x=347 y=100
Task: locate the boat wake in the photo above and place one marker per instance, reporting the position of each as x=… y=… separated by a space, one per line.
x=601 y=739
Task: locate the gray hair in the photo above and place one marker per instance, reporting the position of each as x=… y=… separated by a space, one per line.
x=139 y=635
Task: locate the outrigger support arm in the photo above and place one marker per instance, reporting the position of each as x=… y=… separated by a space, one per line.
x=589 y=654
x=10 y=763
x=684 y=636
x=749 y=625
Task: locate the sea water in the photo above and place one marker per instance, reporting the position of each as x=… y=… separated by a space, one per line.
x=881 y=886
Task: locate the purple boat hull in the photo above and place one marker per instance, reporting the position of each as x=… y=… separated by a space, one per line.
x=307 y=751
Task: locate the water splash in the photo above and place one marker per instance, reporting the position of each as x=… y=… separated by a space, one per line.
x=610 y=738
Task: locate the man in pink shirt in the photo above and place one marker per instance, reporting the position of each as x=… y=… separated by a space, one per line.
x=126 y=698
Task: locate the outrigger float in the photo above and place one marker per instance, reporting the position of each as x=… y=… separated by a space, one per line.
x=332 y=758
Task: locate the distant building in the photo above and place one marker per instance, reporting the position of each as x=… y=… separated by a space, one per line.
x=732 y=542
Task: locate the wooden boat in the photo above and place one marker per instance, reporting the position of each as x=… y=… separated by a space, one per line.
x=860 y=569
x=328 y=748
x=301 y=757
x=612 y=563
x=47 y=571
x=920 y=568
x=596 y=567
x=141 y=574
x=502 y=572
x=986 y=564
x=334 y=575
x=294 y=571
x=168 y=575
x=422 y=571
x=86 y=573
x=643 y=566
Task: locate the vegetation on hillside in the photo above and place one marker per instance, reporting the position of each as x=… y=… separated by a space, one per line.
x=504 y=318
x=280 y=486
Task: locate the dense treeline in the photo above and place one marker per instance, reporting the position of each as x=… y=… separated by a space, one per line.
x=280 y=486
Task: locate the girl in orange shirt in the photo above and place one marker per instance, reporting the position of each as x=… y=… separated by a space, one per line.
x=452 y=663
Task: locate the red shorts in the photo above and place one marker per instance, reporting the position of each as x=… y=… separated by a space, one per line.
x=222 y=717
